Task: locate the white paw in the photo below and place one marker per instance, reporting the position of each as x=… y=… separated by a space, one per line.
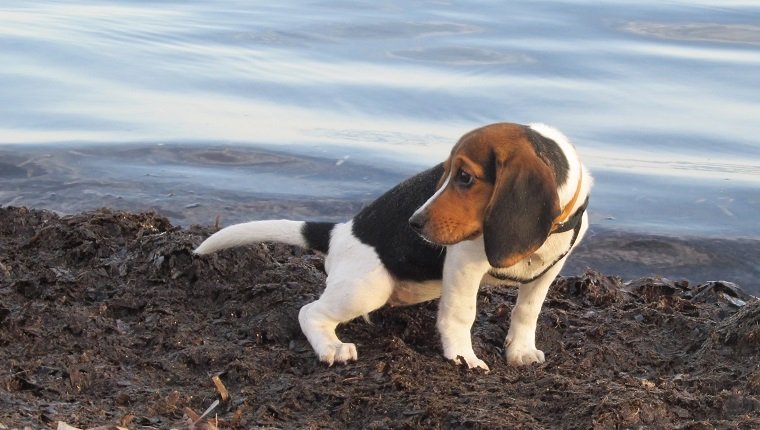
x=476 y=363
x=471 y=360
x=337 y=352
x=520 y=355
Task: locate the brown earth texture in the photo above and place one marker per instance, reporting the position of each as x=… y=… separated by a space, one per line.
x=107 y=320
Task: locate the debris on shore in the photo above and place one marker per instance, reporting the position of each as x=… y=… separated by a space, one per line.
x=107 y=320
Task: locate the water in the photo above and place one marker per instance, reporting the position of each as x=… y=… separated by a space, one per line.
x=121 y=100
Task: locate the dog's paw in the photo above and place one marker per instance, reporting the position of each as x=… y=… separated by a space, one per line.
x=520 y=355
x=472 y=362
x=337 y=352
x=475 y=363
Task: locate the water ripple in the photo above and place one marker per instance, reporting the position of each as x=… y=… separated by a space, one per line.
x=699 y=32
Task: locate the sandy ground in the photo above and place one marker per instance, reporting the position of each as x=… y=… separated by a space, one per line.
x=107 y=319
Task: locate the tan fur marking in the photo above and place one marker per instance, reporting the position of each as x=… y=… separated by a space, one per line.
x=457 y=214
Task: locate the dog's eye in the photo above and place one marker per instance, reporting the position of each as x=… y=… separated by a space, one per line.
x=465 y=179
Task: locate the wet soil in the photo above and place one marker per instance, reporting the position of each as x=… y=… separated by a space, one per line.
x=107 y=319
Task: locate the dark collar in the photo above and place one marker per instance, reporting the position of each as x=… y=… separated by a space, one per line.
x=573 y=223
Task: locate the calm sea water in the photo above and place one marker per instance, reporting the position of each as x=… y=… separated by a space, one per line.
x=662 y=98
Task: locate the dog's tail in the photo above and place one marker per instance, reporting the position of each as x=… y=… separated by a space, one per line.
x=306 y=234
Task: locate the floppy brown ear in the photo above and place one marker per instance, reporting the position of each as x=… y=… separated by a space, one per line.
x=523 y=206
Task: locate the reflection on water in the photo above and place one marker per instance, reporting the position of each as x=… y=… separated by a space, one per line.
x=651 y=92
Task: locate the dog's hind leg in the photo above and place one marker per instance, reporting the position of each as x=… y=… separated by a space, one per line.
x=357 y=284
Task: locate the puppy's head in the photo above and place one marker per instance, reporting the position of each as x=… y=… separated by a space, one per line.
x=499 y=181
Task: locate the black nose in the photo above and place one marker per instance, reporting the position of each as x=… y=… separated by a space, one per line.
x=418 y=221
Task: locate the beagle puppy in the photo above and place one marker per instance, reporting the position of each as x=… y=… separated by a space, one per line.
x=509 y=203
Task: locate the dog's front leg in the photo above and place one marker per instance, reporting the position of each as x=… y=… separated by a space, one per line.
x=521 y=337
x=462 y=272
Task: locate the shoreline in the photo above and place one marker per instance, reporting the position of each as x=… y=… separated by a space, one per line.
x=628 y=255
x=206 y=184
x=192 y=182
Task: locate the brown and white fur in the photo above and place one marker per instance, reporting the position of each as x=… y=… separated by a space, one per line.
x=509 y=202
